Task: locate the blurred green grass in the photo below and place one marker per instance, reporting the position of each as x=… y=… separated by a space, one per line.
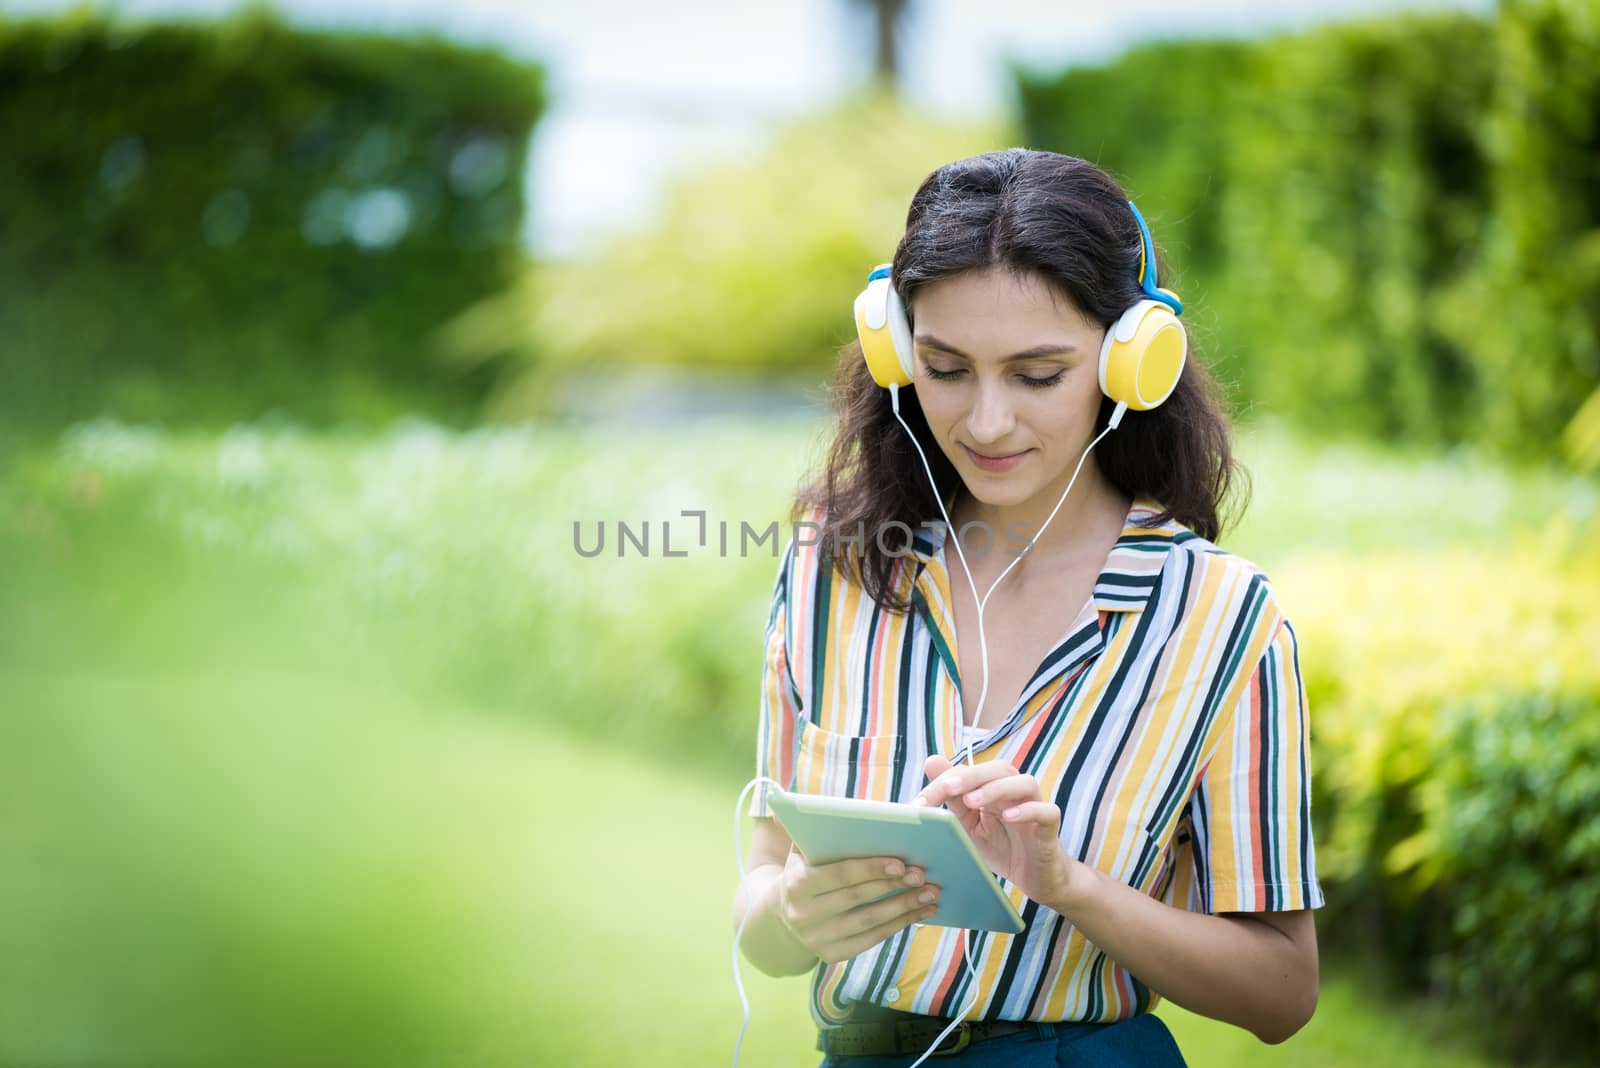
x=327 y=749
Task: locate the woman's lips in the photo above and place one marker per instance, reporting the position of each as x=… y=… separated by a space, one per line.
x=996 y=463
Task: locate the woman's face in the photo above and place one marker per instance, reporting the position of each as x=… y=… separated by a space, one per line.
x=1008 y=380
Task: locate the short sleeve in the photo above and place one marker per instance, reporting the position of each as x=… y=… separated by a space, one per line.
x=778 y=732
x=1248 y=827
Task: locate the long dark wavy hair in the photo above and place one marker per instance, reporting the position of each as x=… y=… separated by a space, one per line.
x=1066 y=221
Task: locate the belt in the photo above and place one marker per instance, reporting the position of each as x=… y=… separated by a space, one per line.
x=891 y=1031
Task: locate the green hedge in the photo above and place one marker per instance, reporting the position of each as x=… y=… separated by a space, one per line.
x=1157 y=119
x=1386 y=228
x=1358 y=197
x=219 y=219
x=1529 y=312
x=1480 y=880
x=1514 y=814
x=1455 y=782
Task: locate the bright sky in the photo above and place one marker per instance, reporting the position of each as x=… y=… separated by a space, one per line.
x=640 y=88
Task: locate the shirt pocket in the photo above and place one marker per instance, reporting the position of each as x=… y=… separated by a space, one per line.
x=867 y=767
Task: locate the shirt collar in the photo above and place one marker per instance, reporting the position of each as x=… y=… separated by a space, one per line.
x=1126 y=579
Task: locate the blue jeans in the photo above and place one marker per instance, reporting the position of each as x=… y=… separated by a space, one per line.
x=1140 y=1042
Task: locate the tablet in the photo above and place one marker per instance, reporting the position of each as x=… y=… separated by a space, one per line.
x=827 y=829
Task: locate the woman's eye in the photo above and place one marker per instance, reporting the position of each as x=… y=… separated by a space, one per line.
x=1032 y=383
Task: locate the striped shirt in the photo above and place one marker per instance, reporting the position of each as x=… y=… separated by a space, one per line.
x=1168 y=724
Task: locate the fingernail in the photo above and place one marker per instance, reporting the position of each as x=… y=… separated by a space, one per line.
x=914 y=878
x=894 y=867
x=975 y=797
x=927 y=896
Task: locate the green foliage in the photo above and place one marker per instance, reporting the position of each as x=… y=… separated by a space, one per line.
x=1529 y=310
x=1157 y=120
x=1386 y=228
x=1581 y=439
x=1436 y=623
x=1455 y=832
x=1356 y=196
x=751 y=269
x=1513 y=811
x=213 y=220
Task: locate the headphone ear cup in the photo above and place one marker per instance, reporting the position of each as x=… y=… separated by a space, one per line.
x=884 y=332
x=1142 y=356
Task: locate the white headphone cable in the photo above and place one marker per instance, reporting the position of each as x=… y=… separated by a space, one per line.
x=983 y=651
x=749 y=905
x=952 y=536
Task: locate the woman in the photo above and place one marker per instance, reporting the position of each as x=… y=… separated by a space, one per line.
x=1122 y=730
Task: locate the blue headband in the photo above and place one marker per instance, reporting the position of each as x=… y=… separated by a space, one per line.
x=1147 y=261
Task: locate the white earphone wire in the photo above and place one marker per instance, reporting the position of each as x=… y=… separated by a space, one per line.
x=952 y=536
x=749 y=906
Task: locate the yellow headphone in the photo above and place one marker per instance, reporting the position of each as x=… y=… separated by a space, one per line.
x=1141 y=359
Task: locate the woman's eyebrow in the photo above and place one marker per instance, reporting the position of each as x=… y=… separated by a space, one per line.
x=931 y=342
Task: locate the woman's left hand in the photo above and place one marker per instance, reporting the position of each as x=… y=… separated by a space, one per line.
x=1016 y=831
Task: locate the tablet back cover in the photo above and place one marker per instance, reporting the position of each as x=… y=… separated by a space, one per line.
x=969 y=895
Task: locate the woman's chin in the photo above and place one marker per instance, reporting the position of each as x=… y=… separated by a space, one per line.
x=999 y=491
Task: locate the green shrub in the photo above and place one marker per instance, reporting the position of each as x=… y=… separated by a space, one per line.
x=1513 y=814
x=1387 y=228
x=1355 y=193
x=215 y=220
x=1158 y=120
x=1528 y=311
x=1398 y=636
x=1440 y=808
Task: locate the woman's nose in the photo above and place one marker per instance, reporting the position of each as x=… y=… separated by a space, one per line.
x=990 y=419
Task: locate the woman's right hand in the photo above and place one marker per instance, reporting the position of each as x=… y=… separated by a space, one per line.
x=824 y=907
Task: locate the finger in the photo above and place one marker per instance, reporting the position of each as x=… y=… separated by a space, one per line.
x=1011 y=790
x=933 y=767
x=830 y=918
x=851 y=925
x=866 y=917
x=955 y=782
x=967 y=818
x=849 y=947
x=849 y=897
x=1041 y=813
x=827 y=927
x=826 y=878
